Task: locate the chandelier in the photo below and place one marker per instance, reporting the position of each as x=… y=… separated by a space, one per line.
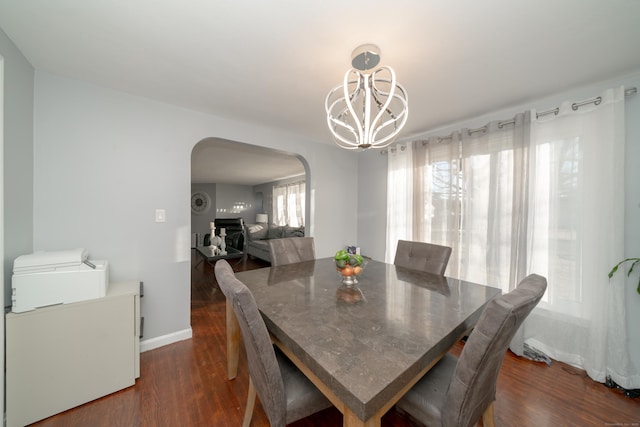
x=370 y=107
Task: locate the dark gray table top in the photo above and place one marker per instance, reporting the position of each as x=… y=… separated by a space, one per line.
x=365 y=351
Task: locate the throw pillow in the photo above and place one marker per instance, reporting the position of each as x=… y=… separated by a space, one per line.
x=293 y=231
x=275 y=232
x=257 y=231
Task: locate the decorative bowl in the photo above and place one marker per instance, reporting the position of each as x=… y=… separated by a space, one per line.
x=350 y=266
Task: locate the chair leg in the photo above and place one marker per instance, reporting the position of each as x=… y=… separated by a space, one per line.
x=251 y=401
x=487 y=417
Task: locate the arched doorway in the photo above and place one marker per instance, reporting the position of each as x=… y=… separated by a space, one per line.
x=231 y=179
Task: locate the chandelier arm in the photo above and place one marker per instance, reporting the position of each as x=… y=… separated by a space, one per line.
x=344 y=142
x=400 y=97
x=335 y=90
x=342 y=125
x=390 y=138
x=378 y=118
x=380 y=105
x=345 y=127
x=393 y=134
x=333 y=123
x=403 y=112
x=401 y=118
x=348 y=100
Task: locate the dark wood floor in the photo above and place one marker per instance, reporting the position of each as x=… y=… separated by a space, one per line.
x=184 y=384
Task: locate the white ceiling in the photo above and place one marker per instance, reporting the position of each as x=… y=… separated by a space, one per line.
x=273 y=62
x=228 y=162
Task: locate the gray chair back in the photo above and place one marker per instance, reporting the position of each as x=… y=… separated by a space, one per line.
x=291 y=249
x=473 y=386
x=422 y=256
x=261 y=357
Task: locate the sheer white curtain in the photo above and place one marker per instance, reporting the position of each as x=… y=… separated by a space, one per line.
x=439 y=190
x=399 y=197
x=289 y=204
x=527 y=196
x=467 y=194
x=492 y=217
x=576 y=235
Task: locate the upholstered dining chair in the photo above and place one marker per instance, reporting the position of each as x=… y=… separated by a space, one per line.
x=422 y=256
x=291 y=249
x=286 y=394
x=457 y=392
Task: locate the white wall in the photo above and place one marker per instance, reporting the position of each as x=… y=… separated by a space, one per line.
x=105 y=160
x=373 y=204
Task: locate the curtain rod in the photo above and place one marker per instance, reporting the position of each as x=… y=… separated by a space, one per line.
x=627 y=93
x=576 y=105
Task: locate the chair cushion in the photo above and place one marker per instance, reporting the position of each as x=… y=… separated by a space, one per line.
x=302 y=397
x=426 y=399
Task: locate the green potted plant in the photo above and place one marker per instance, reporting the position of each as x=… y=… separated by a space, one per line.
x=633 y=262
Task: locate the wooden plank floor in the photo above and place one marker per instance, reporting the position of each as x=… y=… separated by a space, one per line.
x=184 y=384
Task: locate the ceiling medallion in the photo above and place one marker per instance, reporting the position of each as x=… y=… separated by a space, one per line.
x=370 y=107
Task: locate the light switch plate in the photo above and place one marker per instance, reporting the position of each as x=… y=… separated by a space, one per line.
x=161 y=215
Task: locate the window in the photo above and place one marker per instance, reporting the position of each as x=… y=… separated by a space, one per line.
x=542 y=194
x=289 y=204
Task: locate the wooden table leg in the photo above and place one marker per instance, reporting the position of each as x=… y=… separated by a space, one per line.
x=349 y=419
x=233 y=342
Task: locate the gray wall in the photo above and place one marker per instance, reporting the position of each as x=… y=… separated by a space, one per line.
x=16 y=166
x=372 y=205
x=105 y=160
x=224 y=200
x=18 y=157
x=200 y=223
x=235 y=201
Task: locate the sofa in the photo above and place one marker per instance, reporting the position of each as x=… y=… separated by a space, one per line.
x=257 y=236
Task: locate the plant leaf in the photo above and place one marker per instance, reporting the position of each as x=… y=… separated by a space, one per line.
x=632 y=265
x=615 y=268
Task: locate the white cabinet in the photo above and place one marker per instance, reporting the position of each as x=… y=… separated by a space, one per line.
x=65 y=355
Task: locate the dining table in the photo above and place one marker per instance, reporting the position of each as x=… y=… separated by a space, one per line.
x=364 y=345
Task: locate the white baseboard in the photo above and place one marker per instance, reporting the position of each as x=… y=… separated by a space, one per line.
x=151 y=343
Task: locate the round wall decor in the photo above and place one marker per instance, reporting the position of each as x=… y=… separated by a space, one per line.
x=200 y=202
